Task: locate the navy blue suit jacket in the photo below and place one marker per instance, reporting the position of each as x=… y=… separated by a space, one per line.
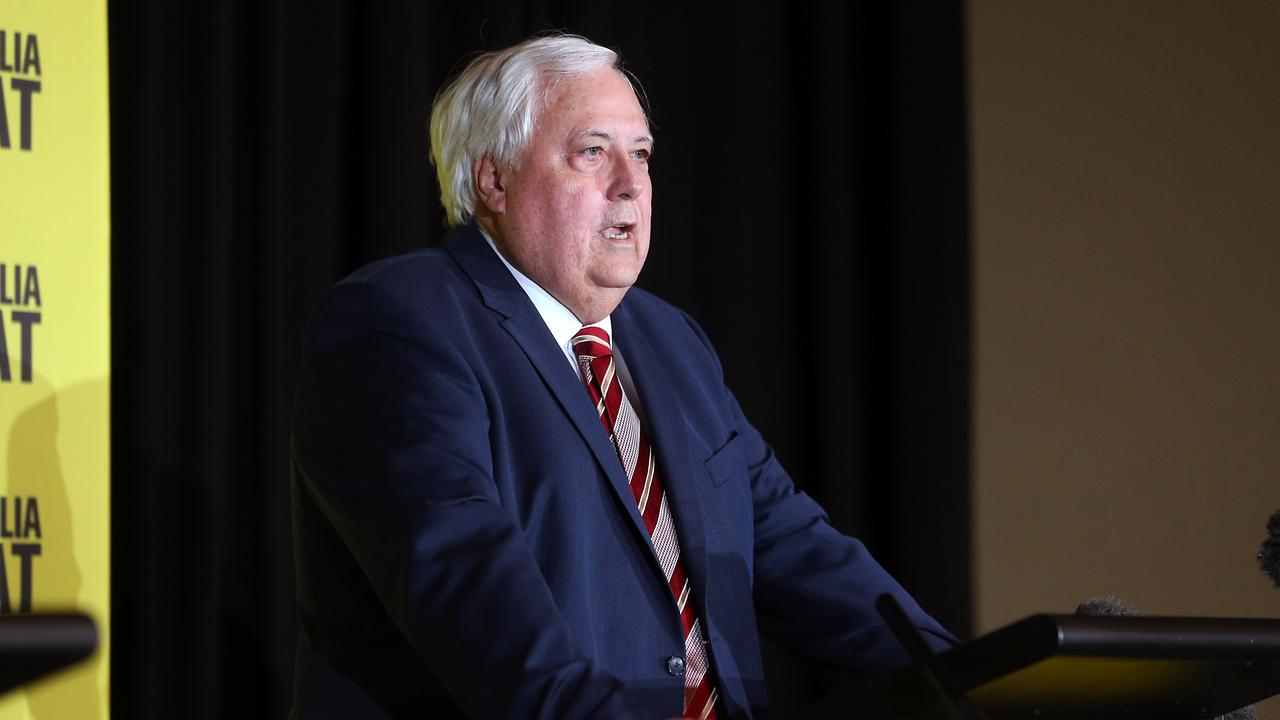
x=466 y=540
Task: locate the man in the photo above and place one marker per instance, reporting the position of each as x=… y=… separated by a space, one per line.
x=521 y=488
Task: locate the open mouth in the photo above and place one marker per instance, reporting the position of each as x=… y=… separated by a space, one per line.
x=621 y=231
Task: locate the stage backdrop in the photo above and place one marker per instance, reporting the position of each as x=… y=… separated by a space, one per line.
x=55 y=334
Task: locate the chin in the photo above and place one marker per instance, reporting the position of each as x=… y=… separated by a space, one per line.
x=618 y=282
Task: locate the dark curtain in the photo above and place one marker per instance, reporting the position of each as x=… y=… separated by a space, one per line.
x=810 y=211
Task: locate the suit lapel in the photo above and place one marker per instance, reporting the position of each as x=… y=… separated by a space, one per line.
x=669 y=434
x=502 y=293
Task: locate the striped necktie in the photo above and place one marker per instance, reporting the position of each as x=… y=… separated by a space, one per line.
x=595 y=361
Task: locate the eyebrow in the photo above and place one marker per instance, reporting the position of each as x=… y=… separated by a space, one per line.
x=609 y=138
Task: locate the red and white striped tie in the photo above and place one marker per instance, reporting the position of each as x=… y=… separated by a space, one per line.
x=595 y=361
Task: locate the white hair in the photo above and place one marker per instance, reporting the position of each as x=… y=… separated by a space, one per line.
x=490 y=109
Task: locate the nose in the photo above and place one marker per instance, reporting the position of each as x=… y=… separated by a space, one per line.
x=627 y=181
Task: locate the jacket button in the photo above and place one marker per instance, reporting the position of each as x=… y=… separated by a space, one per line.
x=675 y=665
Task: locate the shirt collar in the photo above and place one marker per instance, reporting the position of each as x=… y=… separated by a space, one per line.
x=561 y=321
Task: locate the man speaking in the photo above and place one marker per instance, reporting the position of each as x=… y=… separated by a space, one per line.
x=521 y=488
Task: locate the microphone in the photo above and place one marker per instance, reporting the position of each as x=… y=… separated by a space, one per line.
x=1112 y=606
x=1269 y=555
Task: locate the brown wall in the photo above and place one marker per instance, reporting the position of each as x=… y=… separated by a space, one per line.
x=1126 y=195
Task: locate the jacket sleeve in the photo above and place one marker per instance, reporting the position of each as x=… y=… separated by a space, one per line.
x=391 y=438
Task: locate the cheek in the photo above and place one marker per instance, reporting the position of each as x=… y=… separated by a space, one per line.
x=561 y=214
x=582 y=206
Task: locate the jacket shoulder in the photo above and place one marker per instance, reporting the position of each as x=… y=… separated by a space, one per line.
x=653 y=313
x=643 y=306
x=417 y=272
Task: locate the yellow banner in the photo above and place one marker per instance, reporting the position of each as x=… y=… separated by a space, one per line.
x=55 y=335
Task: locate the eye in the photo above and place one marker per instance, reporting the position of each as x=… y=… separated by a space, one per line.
x=594 y=151
x=642 y=154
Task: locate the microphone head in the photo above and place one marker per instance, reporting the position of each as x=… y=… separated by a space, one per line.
x=1105 y=606
x=1269 y=555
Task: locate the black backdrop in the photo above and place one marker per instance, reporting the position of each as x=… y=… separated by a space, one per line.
x=810 y=210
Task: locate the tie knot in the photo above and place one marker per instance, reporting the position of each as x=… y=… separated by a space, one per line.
x=592 y=342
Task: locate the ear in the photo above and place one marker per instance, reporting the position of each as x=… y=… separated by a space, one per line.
x=489 y=185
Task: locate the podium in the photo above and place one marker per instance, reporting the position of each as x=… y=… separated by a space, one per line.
x=1054 y=667
x=35 y=645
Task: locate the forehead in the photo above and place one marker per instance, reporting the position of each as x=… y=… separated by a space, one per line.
x=599 y=97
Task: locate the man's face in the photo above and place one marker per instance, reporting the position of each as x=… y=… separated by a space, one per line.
x=575 y=216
